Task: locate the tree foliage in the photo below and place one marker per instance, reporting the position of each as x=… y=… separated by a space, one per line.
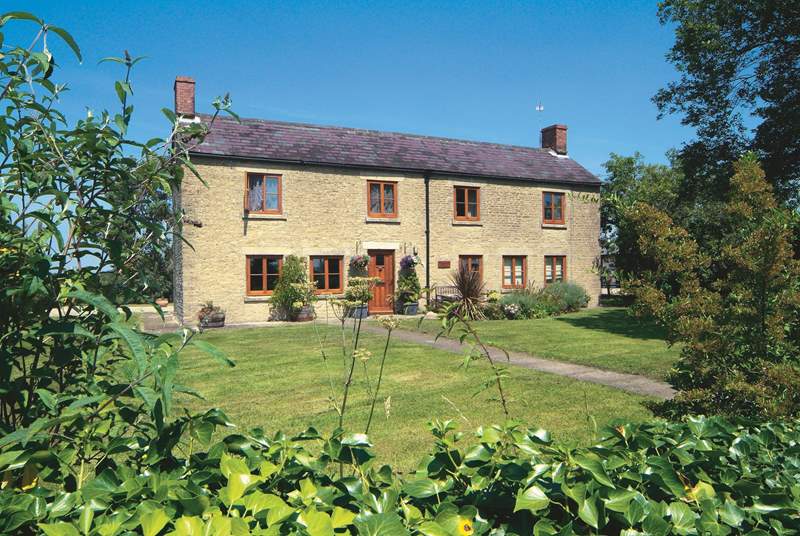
x=81 y=388
x=739 y=68
x=737 y=313
x=630 y=180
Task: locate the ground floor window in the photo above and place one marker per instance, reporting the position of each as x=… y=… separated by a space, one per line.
x=473 y=263
x=326 y=273
x=555 y=268
x=514 y=271
x=262 y=273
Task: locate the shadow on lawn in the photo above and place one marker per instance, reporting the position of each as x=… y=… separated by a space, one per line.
x=618 y=322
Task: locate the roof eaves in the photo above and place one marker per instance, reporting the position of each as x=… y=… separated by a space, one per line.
x=422 y=171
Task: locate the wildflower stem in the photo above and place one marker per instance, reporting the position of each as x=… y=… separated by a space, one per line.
x=380 y=377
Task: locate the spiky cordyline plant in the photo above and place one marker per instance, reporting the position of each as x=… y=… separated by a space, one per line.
x=470 y=288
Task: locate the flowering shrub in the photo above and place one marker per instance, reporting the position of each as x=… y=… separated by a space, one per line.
x=512 y=310
x=359 y=262
x=409 y=261
x=556 y=298
x=359 y=290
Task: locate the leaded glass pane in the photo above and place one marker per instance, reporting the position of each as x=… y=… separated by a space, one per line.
x=374 y=198
x=388 y=198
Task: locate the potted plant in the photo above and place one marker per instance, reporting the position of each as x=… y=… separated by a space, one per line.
x=162 y=302
x=291 y=293
x=358 y=264
x=408 y=287
x=357 y=295
x=303 y=307
x=211 y=316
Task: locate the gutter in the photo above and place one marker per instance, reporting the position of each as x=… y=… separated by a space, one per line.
x=427 y=179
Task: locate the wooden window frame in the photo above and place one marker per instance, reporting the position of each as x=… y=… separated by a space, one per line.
x=563 y=198
x=513 y=271
x=480 y=259
x=327 y=271
x=264 y=259
x=382 y=214
x=551 y=259
x=466 y=216
x=266 y=176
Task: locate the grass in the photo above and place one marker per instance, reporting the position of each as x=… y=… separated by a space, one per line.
x=280 y=383
x=603 y=337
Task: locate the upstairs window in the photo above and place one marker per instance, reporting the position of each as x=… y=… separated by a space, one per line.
x=555 y=268
x=467 y=203
x=263 y=195
x=514 y=271
x=382 y=202
x=262 y=273
x=553 y=204
x=473 y=263
x=326 y=272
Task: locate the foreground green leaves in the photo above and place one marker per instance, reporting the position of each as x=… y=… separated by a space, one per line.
x=709 y=476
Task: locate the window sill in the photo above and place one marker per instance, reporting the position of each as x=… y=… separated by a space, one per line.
x=332 y=296
x=554 y=226
x=257 y=299
x=370 y=219
x=274 y=217
x=468 y=223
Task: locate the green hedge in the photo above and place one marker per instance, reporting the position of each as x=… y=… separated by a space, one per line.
x=705 y=476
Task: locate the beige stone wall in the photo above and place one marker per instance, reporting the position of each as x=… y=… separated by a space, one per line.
x=511 y=224
x=325 y=213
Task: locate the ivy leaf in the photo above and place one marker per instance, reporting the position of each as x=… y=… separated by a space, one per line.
x=682 y=517
x=386 y=524
x=188 y=526
x=342 y=517
x=588 y=512
x=730 y=514
x=533 y=499
x=59 y=529
x=421 y=488
x=595 y=467
x=317 y=523
x=152 y=522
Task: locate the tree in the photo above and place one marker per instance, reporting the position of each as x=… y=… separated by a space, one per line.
x=738 y=65
x=736 y=313
x=629 y=180
x=76 y=375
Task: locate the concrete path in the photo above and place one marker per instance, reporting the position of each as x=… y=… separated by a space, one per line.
x=632 y=383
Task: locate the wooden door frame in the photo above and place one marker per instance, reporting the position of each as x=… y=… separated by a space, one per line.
x=390 y=290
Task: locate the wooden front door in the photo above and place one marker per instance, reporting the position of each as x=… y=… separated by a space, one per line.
x=381 y=266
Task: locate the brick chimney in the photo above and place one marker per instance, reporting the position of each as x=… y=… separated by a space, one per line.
x=184 y=96
x=554 y=137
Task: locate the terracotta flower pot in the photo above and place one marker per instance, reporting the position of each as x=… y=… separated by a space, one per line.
x=162 y=302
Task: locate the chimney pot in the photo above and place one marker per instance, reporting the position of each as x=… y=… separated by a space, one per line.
x=184 y=96
x=554 y=138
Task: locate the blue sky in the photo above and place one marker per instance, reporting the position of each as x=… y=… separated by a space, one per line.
x=472 y=70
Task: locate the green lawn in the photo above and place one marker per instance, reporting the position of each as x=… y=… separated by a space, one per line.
x=280 y=383
x=604 y=337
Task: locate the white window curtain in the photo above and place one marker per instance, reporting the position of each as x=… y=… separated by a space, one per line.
x=255 y=195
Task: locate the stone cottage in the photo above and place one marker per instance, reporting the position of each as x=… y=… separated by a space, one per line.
x=517 y=215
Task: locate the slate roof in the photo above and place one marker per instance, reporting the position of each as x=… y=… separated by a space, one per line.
x=371 y=149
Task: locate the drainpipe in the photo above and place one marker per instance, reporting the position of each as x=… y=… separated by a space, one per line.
x=427 y=240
